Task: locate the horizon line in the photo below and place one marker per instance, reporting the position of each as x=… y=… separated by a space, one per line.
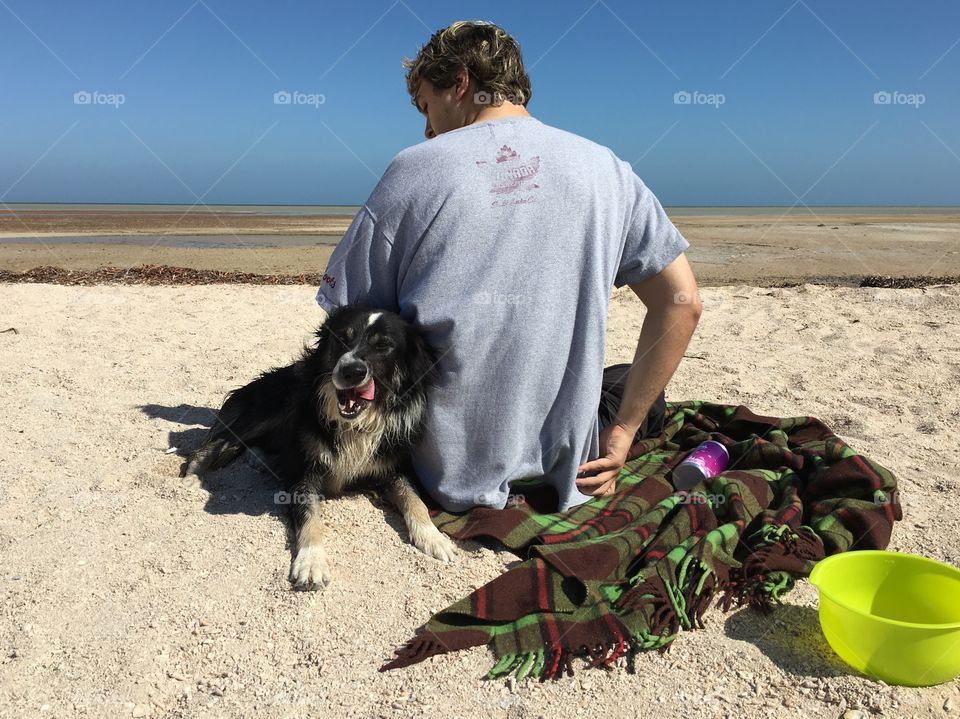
x=324 y=204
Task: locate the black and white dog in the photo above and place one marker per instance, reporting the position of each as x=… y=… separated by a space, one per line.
x=343 y=416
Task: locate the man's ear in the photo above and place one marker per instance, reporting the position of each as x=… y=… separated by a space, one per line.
x=461 y=83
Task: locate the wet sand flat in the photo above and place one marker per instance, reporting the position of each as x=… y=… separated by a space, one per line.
x=758 y=249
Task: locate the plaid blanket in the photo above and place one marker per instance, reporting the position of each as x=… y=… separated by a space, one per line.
x=625 y=573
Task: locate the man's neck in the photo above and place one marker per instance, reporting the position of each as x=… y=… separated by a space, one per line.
x=499 y=112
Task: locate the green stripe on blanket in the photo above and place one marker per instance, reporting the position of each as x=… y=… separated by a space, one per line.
x=627 y=572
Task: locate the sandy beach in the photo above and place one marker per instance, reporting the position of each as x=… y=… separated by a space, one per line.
x=126 y=594
x=762 y=249
x=175 y=181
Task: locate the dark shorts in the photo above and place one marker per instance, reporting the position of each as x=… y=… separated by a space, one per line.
x=614 y=382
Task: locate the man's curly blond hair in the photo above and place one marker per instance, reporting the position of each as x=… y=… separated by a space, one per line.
x=488 y=53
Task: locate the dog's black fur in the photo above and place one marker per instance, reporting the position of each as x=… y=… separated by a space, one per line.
x=331 y=435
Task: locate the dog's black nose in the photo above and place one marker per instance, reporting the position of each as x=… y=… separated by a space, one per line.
x=353 y=372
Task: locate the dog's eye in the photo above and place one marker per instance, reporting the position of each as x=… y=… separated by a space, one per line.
x=381 y=343
x=347 y=334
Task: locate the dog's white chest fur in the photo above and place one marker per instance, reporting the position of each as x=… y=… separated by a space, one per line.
x=353 y=458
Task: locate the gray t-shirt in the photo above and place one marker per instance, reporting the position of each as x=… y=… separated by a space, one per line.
x=502 y=240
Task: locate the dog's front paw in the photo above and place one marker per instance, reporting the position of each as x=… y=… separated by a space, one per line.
x=192 y=481
x=310 y=570
x=433 y=543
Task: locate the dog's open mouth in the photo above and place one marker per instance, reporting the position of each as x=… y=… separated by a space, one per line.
x=352 y=401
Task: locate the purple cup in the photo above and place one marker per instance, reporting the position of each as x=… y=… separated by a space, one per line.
x=709 y=459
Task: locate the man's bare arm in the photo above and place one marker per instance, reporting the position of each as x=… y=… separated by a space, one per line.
x=673 y=311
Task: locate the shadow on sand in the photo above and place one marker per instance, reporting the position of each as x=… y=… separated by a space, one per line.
x=790 y=637
x=249 y=485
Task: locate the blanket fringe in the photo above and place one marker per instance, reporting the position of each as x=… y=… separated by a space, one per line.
x=674 y=607
x=554 y=663
x=768 y=572
x=416 y=650
x=668 y=609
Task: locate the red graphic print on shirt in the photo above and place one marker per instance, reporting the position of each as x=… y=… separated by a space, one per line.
x=509 y=173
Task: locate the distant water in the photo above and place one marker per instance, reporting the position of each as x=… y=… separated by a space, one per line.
x=275 y=210
x=206 y=241
x=351 y=210
x=746 y=211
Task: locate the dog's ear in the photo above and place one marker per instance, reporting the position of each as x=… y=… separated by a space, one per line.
x=323 y=331
x=321 y=334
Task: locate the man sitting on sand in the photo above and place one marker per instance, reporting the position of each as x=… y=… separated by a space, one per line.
x=502 y=237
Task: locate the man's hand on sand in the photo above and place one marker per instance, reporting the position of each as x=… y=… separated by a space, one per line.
x=598 y=477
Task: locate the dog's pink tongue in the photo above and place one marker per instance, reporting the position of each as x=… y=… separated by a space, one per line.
x=366 y=391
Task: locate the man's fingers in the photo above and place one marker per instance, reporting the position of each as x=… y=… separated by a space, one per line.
x=594 y=467
x=595 y=485
x=603 y=490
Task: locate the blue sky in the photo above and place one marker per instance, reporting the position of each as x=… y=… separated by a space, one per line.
x=782 y=96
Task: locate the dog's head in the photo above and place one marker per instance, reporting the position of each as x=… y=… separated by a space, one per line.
x=370 y=362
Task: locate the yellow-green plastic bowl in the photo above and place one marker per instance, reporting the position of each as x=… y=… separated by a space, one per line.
x=892 y=616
